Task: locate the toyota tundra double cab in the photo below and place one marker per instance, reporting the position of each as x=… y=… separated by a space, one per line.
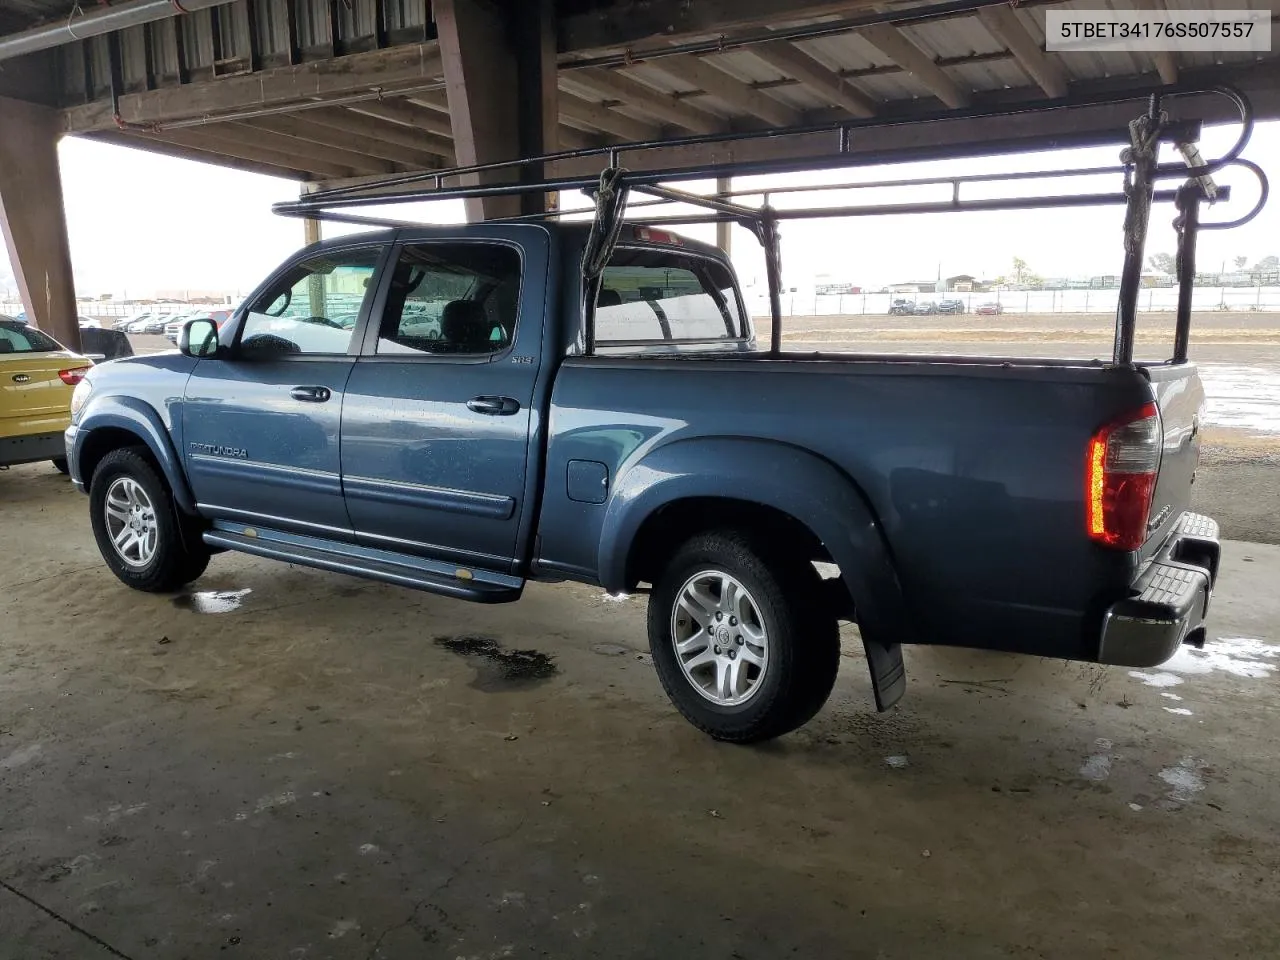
x=450 y=409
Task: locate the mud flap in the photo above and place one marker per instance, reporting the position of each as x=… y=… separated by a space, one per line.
x=888 y=673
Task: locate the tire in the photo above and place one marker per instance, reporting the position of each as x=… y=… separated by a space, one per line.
x=163 y=551
x=782 y=689
x=60 y=464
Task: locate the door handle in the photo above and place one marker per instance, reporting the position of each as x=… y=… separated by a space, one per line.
x=311 y=394
x=494 y=406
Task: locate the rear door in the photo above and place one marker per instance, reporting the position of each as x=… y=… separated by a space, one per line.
x=261 y=426
x=436 y=426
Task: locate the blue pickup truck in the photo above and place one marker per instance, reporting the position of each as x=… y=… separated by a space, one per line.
x=426 y=407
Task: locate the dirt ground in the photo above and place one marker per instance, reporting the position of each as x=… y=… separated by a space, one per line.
x=294 y=764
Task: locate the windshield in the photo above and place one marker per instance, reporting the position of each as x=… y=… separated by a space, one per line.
x=17 y=338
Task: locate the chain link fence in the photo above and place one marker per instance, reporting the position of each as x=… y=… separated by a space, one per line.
x=1151 y=300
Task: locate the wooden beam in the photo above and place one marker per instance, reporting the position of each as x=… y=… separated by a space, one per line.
x=138 y=141
x=1004 y=25
x=363 y=142
x=220 y=144
x=571 y=138
x=260 y=132
x=437 y=100
x=625 y=23
x=702 y=74
x=32 y=219
x=795 y=63
x=1165 y=63
x=618 y=86
x=378 y=135
x=482 y=77
x=395 y=69
x=600 y=117
x=406 y=114
x=270 y=132
x=894 y=45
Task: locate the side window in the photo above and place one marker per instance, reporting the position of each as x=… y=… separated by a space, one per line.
x=313 y=309
x=451 y=298
x=655 y=295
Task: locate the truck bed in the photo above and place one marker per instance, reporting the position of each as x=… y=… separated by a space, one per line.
x=973 y=469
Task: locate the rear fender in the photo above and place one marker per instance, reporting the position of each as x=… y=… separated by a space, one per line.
x=141 y=419
x=787 y=478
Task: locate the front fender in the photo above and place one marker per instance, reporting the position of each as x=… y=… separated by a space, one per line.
x=141 y=419
x=778 y=475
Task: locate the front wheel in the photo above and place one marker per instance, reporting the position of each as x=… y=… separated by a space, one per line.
x=60 y=464
x=141 y=535
x=742 y=643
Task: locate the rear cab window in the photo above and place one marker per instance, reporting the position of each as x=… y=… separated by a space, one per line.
x=652 y=296
x=19 y=338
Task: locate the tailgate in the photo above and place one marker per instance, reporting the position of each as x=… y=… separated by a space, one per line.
x=32 y=397
x=1179 y=394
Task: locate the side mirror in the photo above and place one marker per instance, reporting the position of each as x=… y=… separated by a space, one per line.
x=199 y=339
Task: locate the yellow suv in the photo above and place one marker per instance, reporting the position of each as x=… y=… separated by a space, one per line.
x=37 y=376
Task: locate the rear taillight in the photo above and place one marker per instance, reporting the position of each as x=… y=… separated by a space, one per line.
x=1120 y=479
x=73 y=376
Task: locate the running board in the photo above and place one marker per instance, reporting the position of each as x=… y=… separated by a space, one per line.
x=481 y=586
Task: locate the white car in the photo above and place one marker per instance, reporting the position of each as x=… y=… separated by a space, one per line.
x=174 y=326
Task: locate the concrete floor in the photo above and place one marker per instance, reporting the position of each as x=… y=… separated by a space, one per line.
x=310 y=774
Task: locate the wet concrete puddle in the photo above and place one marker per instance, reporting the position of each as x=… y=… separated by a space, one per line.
x=212 y=601
x=496 y=667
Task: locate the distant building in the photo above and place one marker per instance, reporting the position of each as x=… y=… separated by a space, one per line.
x=963 y=283
x=915 y=286
x=836 y=289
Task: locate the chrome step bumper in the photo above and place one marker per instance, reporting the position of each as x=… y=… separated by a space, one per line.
x=1170 y=601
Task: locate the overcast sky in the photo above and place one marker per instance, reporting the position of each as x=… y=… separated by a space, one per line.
x=168 y=224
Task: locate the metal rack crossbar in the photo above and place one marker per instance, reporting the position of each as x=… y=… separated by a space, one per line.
x=1140 y=170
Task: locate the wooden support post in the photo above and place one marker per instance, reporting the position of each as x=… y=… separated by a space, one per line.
x=310 y=227
x=32 y=218
x=498 y=112
x=724 y=230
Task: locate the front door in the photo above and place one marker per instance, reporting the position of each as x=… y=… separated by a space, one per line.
x=435 y=428
x=261 y=426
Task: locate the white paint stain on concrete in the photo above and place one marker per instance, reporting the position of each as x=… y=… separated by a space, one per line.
x=1246 y=657
x=897 y=762
x=1135 y=807
x=1185 y=779
x=1170 y=696
x=273 y=800
x=22 y=756
x=1156 y=679
x=368 y=848
x=341 y=928
x=1180 y=711
x=1097 y=766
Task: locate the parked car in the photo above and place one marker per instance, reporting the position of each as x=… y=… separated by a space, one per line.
x=989 y=309
x=105 y=344
x=902 y=308
x=174 y=326
x=924 y=308
x=156 y=324
x=37 y=375
x=950 y=306
x=127 y=323
x=88 y=323
x=500 y=452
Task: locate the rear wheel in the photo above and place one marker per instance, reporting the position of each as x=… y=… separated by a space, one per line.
x=141 y=535
x=741 y=639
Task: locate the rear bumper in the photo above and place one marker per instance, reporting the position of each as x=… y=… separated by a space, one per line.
x=1170 y=601
x=31 y=448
